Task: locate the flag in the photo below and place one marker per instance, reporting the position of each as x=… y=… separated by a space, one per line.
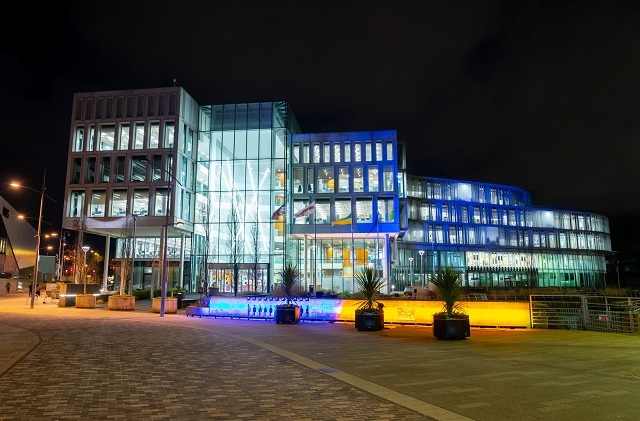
x=343 y=221
x=311 y=208
x=280 y=211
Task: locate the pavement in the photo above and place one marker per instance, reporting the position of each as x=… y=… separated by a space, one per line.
x=63 y=363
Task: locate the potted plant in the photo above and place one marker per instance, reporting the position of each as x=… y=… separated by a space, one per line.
x=452 y=322
x=369 y=314
x=289 y=311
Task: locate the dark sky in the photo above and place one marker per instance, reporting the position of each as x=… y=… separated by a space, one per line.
x=541 y=95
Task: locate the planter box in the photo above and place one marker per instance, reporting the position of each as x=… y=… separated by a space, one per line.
x=122 y=302
x=287 y=315
x=369 y=320
x=194 y=311
x=451 y=328
x=86 y=301
x=170 y=305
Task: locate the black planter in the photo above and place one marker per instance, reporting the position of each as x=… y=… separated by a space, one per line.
x=369 y=320
x=451 y=327
x=287 y=314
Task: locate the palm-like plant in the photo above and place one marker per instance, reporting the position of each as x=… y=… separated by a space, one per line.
x=289 y=279
x=369 y=282
x=449 y=290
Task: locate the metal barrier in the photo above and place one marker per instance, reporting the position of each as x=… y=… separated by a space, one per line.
x=585 y=312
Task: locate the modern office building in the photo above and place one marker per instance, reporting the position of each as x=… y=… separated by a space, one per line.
x=241 y=191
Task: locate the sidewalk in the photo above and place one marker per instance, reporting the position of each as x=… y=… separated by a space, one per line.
x=62 y=362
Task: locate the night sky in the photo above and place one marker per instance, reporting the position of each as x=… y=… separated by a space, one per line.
x=541 y=95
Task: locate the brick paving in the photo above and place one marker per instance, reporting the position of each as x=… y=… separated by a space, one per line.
x=63 y=363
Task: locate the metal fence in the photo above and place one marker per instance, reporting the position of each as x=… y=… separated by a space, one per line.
x=585 y=312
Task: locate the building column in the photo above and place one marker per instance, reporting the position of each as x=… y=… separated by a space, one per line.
x=105 y=273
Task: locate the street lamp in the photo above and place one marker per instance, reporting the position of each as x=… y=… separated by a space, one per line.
x=163 y=293
x=35 y=268
x=63 y=242
x=411 y=270
x=85 y=249
x=421 y=253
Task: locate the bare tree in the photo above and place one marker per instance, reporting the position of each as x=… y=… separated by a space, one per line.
x=235 y=243
x=126 y=256
x=206 y=249
x=254 y=236
x=77 y=255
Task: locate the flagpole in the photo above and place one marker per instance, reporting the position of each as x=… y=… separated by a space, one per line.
x=353 y=258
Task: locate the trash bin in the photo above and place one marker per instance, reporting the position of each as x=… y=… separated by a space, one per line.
x=179 y=296
x=311 y=290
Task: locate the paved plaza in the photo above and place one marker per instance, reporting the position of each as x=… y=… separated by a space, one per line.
x=63 y=363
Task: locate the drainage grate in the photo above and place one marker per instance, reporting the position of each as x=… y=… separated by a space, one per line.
x=329 y=370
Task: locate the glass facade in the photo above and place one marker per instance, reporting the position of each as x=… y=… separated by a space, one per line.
x=243 y=191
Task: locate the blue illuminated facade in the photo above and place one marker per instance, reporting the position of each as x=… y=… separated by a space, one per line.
x=243 y=191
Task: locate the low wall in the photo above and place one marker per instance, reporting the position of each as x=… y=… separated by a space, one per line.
x=510 y=314
x=68 y=293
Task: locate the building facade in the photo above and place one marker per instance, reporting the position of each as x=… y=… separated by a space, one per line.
x=239 y=190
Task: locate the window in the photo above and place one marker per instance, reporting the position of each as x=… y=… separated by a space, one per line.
x=305 y=153
x=298 y=174
x=169 y=134
x=326 y=182
x=385 y=210
x=387 y=178
x=160 y=202
x=343 y=180
x=327 y=153
x=75 y=170
x=107 y=137
x=119 y=175
x=138 y=169
x=138 y=142
x=154 y=135
x=79 y=139
x=347 y=152
x=358 y=179
x=76 y=204
x=316 y=153
x=140 y=202
x=367 y=151
x=389 y=151
x=118 y=203
x=91 y=139
x=97 y=205
x=296 y=154
x=106 y=169
x=372 y=178
x=124 y=137
x=310 y=180
x=356 y=152
x=336 y=152
x=364 y=210
x=379 y=156
x=156 y=168
x=91 y=171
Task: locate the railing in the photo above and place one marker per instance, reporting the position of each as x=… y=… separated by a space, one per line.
x=585 y=312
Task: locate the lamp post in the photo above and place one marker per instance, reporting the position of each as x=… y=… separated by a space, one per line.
x=411 y=270
x=34 y=281
x=163 y=293
x=421 y=253
x=85 y=249
x=133 y=255
x=63 y=238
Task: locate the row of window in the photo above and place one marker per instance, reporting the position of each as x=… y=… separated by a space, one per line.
x=514 y=237
x=425 y=188
x=129 y=169
x=330 y=152
x=85 y=139
x=116 y=203
x=543 y=218
x=356 y=179
x=344 y=210
x=150 y=105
